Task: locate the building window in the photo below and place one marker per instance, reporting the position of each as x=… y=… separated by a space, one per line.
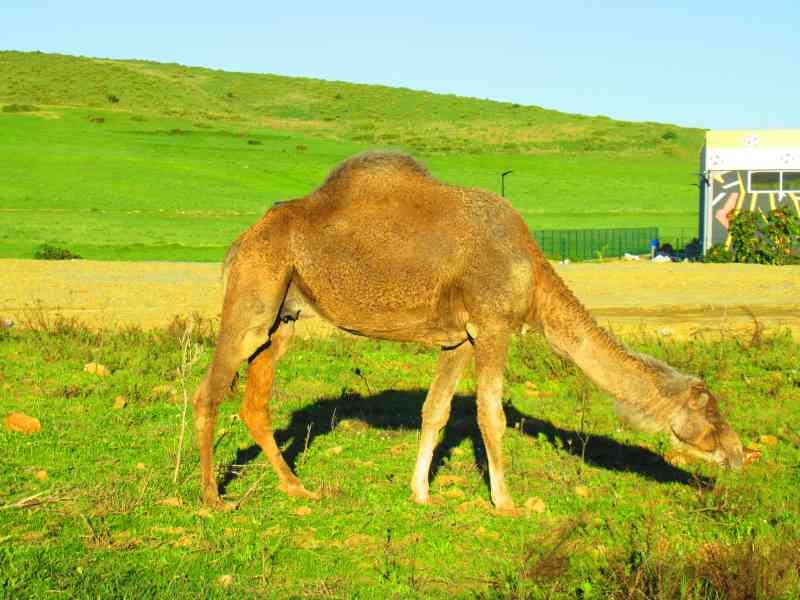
x=765 y=181
x=791 y=181
x=773 y=181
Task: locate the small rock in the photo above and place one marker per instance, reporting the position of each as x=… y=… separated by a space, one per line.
x=22 y=423
x=225 y=580
x=41 y=475
x=6 y=323
x=97 y=369
x=302 y=511
x=582 y=491
x=535 y=505
x=140 y=466
x=119 y=402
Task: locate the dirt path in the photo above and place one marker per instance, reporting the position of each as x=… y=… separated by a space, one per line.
x=678 y=299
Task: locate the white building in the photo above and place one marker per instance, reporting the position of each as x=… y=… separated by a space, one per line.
x=746 y=170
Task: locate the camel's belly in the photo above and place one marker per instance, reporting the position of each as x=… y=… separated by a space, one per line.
x=432 y=322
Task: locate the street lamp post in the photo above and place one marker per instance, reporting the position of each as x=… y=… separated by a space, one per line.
x=503 y=182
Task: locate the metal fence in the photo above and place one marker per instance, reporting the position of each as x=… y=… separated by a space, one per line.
x=586 y=244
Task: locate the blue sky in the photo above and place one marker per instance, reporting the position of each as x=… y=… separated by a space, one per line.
x=712 y=64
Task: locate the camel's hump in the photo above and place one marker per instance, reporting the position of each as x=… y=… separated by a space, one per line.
x=374 y=163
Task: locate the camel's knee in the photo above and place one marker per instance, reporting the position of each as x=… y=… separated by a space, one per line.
x=492 y=419
x=435 y=416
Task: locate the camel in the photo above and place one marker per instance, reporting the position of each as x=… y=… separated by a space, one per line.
x=382 y=249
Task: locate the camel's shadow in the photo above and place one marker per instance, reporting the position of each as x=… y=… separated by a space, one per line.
x=397 y=410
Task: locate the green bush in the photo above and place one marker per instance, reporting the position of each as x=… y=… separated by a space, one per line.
x=17 y=108
x=766 y=240
x=718 y=253
x=48 y=252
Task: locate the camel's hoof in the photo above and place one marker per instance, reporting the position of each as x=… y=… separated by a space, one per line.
x=506 y=508
x=297 y=490
x=421 y=498
x=214 y=502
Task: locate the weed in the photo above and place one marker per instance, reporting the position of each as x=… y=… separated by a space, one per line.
x=646 y=530
x=48 y=252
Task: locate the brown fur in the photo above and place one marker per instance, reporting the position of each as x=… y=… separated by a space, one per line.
x=382 y=249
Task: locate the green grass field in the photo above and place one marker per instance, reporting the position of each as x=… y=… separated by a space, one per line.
x=88 y=507
x=186 y=157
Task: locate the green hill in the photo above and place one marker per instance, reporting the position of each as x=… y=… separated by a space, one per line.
x=135 y=159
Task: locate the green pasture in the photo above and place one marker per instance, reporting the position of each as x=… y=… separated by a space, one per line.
x=88 y=507
x=131 y=160
x=137 y=187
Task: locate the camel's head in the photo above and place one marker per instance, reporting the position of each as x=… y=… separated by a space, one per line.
x=699 y=429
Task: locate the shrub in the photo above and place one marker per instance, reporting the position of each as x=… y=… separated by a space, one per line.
x=783 y=230
x=747 y=238
x=669 y=136
x=768 y=240
x=718 y=253
x=112 y=98
x=17 y=108
x=48 y=252
x=760 y=239
x=254 y=142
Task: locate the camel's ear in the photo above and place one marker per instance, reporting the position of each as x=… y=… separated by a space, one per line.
x=700 y=402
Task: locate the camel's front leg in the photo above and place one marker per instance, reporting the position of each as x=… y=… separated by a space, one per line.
x=435 y=413
x=490 y=362
x=255 y=408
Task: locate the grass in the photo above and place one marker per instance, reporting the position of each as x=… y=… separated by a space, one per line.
x=617 y=520
x=187 y=157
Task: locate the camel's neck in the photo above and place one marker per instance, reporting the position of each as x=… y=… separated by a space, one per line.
x=638 y=382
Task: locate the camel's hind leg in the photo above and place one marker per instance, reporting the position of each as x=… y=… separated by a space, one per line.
x=435 y=413
x=490 y=362
x=255 y=408
x=248 y=313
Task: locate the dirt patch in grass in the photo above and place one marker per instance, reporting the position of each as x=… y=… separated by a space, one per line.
x=676 y=300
